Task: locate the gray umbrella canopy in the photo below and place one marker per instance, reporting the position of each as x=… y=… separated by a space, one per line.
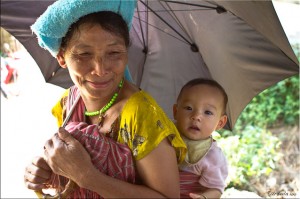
x=241 y=44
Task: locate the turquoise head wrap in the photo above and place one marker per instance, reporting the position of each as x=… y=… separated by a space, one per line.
x=54 y=23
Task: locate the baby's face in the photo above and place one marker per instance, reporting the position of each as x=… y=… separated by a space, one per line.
x=199 y=112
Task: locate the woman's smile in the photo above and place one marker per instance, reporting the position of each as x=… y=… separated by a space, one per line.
x=98 y=84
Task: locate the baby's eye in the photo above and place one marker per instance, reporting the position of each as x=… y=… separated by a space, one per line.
x=188 y=108
x=208 y=113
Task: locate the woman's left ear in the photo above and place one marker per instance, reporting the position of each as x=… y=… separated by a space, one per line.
x=222 y=122
x=61 y=59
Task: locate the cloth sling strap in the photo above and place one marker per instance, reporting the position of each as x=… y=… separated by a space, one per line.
x=107 y=155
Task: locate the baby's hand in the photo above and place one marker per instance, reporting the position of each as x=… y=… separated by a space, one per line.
x=197 y=195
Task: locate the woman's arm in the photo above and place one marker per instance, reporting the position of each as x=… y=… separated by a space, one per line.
x=158 y=170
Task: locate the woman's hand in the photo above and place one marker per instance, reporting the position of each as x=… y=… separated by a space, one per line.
x=67 y=157
x=37 y=174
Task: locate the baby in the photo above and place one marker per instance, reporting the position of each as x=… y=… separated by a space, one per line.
x=200 y=110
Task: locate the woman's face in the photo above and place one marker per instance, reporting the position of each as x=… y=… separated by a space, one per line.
x=96 y=60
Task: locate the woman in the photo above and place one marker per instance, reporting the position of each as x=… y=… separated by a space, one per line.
x=94 y=50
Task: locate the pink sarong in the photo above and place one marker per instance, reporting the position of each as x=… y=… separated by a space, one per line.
x=108 y=156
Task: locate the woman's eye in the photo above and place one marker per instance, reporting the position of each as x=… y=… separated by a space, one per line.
x=81 y=55
x=84 y=54
x=114 y=55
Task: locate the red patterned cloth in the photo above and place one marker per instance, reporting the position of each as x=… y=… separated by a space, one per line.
x=189 y=183
x=108 y=156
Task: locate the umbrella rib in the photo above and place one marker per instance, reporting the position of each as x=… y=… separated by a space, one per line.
x=145 y=50
x=137 y=33
x=147 y=28
x=181 y=10
x=190 y=4
x=142 y=32
x=166 y=22
x=176 y=19
x=164 y=31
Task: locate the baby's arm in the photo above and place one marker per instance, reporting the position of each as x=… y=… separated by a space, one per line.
x=208 y=193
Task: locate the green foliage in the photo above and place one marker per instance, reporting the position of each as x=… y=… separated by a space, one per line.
x=276 y=106
x=252 y=150
x=250 y=155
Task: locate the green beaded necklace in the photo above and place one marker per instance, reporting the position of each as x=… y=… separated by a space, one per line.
x=107 y=106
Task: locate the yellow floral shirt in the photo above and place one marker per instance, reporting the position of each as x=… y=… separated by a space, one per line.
x=143 y=125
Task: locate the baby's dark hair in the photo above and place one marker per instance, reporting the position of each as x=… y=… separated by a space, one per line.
x=108 y=20
x=209 y=82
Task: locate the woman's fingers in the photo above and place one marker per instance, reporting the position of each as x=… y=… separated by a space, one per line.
x=41 y=162
x=56 y=154
x=48 y=145
x=63 y=133
x=65 y=155
x=64 y=137
x=34 y=182
x=34 y=186
x=37 y=174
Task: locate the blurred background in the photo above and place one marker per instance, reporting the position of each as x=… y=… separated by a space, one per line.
x=262 y=150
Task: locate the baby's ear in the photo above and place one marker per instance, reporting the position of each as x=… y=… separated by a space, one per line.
x=222 y=122
x=174 y=111
x=61 y=59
